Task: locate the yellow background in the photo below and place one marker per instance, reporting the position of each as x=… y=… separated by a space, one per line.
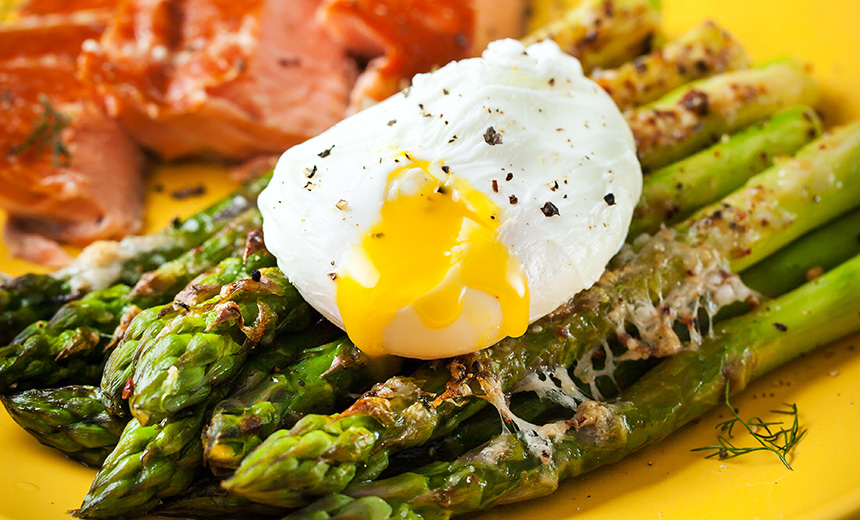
x=664 y=481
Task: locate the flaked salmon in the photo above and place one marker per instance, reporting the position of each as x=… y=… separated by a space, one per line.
x=224 y=78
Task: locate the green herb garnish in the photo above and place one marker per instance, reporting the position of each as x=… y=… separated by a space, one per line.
x=770 y=438
x=46 y=135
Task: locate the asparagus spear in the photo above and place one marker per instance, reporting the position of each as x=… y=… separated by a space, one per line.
x=65 y=348
x=204 y=347
x=206 y=499
x=69 y=348
x=674 y=192
x=148 y=463
x=675 y=392
x=705 y=50
x=72 y=419
x=807 y=257
x=155 y=324
x=603 y=33
x=694 y=116
x=316 y=383
x=323 y=454
x=32 y=297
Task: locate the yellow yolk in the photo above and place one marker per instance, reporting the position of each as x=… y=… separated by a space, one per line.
x=436 y=238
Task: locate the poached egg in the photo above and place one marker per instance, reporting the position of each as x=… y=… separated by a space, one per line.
x=460 y=210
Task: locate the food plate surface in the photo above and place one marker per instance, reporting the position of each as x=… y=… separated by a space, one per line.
x=666 y=480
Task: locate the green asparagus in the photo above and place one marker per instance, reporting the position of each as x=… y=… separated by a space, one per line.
x=323 y=454
x=69 y=348
x=672 y=394
x=72 y=419
x=705 y=50
x=204 y=347
x=696 y=115
x=155 y=324
x=206 y=499
x=319 y=381
x=603 y=33
x=65 y=348
x=807 y=257
x=33 y=297
x=674 y=192
x=148 y=463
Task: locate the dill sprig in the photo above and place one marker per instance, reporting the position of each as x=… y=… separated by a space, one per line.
x=46 y=134
x=771 y=435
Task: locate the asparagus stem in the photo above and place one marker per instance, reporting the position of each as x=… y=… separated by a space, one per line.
x=65 y=348
x=148 y=463
x=72 y=419
x=206 y=499
x=674 y=192
x=315 y=384
x=204 y=347
x=322 y=454
x=150 y=325
x=696 y=115
x=33 y=297
x=705 y=50
x=69 y=348
x=807 y=257
x=675 y=392
x=603 y=33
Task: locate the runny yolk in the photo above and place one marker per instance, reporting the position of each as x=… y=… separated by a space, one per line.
x=436 y=238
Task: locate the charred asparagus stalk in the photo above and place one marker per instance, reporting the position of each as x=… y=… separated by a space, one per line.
x=321 y=379
x=669 y=396
x=696 y=115
x=154 y=324
x=705 y=50
x=70 y=347
x=323 y=454
x=72 y=419
x=674 y=192
x=33 y=297
x=603 y=33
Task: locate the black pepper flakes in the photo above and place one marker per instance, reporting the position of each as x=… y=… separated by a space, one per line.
x=256 y=275
x=513 y=199
x=191 y=191
x=454 y=138
x=549 y=209
x=495 y=185
x=392 y=122
x=491 y=137
x=176 y=222
x=446 y=169
x=310 y=172
x=445 y=91
x=609 y=199
x=780 y=326
x=325 y=153
x=333 y=276
x=509 y=176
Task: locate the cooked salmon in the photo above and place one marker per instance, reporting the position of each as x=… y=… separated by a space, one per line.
x=400 y=38
x=68 y=172
x=220 y=78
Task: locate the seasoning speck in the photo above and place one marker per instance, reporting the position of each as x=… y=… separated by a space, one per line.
x=495 y=185
x=780 y=326
x=491 y=137
x=325 y=153
x=310 y=172
x=549 y=209
x=509 y=176
x=446 y=169
x=513 y=199
x=256 y=275
x=392 y=122
x=610 y=199
x=333 y=276
x=190 y=191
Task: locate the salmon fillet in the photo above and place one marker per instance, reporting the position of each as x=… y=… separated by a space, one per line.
x=229 y=78
x=68 y=172
x=401 y=38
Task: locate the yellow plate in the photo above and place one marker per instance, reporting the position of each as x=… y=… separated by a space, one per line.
x=665 y=480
